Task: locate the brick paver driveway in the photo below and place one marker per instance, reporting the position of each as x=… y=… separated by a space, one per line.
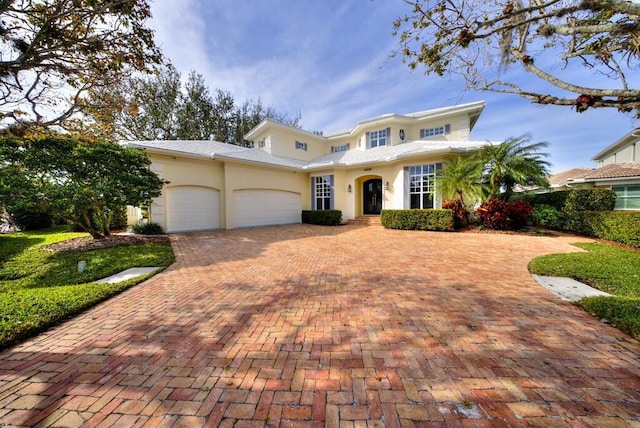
x=314 y=326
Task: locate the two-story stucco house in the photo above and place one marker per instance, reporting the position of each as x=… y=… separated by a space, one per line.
x=618 y=169
x=386 y=162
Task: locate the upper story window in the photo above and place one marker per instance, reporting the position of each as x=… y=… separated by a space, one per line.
x=378 y=138
x=342 y=148
x=301 y=146
x=261 y=144
x=439 y=130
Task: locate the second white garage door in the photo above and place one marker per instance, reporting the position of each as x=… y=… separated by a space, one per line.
x=192 y=208
x=265 y=207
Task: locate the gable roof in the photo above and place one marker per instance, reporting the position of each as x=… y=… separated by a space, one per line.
x=608 y=172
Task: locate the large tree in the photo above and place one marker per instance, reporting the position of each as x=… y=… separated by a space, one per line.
x=516 y=161
x=54 y=51
x=162 y=107
x=81 y=182
x=478 y=39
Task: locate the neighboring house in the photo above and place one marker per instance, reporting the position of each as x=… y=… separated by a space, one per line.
x=386 y=162
x=618 y=169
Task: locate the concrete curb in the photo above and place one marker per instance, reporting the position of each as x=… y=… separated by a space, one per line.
x=127 y=274
x=568 y=289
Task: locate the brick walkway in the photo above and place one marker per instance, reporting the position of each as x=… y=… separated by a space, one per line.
x=349 y=326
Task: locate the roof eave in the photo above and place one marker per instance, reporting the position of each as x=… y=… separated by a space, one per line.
x=635 y=133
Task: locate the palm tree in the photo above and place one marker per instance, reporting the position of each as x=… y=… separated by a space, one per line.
x=461 y=176
x=515 y=161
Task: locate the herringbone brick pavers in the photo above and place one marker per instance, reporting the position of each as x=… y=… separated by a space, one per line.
x=352 y=326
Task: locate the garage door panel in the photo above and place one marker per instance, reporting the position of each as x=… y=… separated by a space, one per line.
x=266 y=207
x=192 y=208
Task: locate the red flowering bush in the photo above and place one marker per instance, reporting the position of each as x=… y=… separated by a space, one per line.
x=500 y=215
x=459 y=211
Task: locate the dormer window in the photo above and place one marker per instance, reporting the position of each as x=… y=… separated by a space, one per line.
x=432 y=132
x=261 y=144
x=301 y=146
x=378 y=138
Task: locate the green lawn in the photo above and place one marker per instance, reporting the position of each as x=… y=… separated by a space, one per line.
x=39 y=288
x=605 y=267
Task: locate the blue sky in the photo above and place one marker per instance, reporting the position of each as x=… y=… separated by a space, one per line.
x=329 y=60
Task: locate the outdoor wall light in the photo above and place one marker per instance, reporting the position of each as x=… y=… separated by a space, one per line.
x=349 y=188
x=386 y=186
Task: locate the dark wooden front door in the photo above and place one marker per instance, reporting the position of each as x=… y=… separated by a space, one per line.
x=372 y=196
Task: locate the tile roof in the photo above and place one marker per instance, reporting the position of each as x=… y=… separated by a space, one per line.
x=607 y=172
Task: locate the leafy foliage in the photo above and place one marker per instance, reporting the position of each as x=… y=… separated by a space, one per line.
x=147 y=229
x=460 y=213
x=461 y=177
x=548 y=216
x=468 y=38
x=85 y=183
x=501 y=215
x=161 y=107
x=514 y=162
x=324 y=217
x=423 y=219
x=54 y=51
x=619 y=226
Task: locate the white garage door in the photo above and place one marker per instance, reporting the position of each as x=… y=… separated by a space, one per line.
x=192 y=208
x=265 y=207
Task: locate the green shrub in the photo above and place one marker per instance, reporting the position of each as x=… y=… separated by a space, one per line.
x=619 y=226
x=580 y=200
x=147 y=229
x=428 y=219
x=501 y=215
x=322 y=217
x=548 y=216
x=590 y=200
x=553 y=199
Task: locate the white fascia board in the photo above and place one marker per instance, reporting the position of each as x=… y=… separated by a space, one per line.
x=634 y=134
x=221 y=157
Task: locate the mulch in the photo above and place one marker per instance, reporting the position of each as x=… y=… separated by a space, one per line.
x=88 y=243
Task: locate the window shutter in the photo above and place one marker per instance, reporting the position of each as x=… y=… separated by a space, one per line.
x=368 y=142
x=313 y=193
x=406 y=201
x=331 y=202
x=447 y=129
x=437 y=200
x=388 y=136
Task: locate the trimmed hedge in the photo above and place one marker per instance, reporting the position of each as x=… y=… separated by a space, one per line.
x=553 y=199
x=428 y=219
x=619 y=226
x=322 y=217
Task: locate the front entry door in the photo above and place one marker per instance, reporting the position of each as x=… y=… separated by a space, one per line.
x=372 y=196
